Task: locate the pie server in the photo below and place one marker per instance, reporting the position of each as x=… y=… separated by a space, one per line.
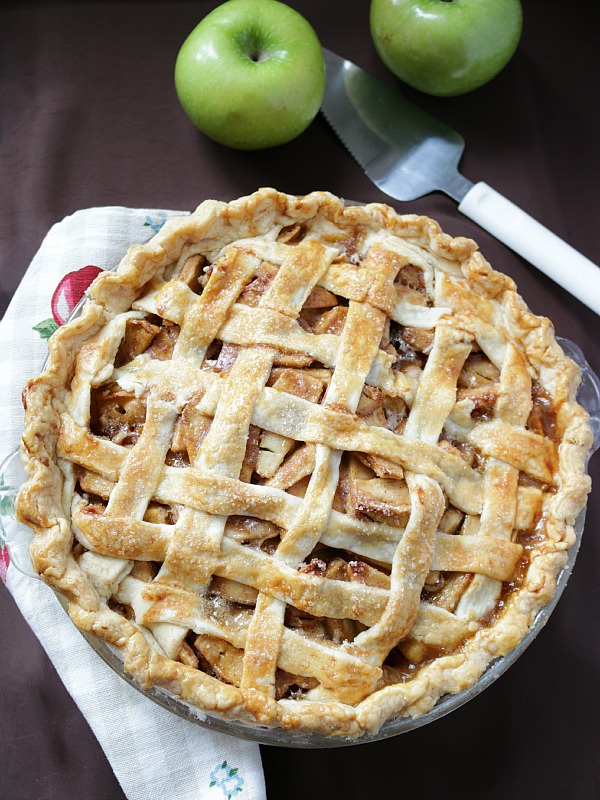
x=408 y=154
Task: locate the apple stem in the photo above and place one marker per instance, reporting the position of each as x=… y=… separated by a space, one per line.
x=258 y=56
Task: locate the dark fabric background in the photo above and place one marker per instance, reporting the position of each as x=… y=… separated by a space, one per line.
x=89 y=117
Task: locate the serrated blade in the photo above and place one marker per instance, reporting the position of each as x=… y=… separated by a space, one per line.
x=402 y=149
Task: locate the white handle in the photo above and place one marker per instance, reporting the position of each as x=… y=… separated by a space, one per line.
x=530 y=239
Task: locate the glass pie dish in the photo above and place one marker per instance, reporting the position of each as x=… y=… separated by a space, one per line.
x=294 y=463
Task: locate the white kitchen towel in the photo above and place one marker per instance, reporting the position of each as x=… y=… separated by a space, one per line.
x=155 y=754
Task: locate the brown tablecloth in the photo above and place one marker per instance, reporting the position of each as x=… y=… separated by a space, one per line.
x=89 y=117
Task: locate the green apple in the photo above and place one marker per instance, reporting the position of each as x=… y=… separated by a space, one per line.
x=251 y=74
x=446 y=47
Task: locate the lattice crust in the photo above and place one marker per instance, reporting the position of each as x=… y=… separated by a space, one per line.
x=305 y=465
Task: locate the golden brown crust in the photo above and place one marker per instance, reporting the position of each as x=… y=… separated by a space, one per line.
x=484 y=482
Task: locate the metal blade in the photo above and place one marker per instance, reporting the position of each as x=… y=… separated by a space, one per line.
x=402 y=149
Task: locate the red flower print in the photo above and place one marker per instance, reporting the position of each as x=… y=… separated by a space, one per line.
x=4 y=562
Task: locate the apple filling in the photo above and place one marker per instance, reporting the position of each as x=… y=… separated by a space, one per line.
x=371 y=490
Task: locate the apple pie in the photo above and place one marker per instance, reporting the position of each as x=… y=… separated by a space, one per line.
x=304 y=465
